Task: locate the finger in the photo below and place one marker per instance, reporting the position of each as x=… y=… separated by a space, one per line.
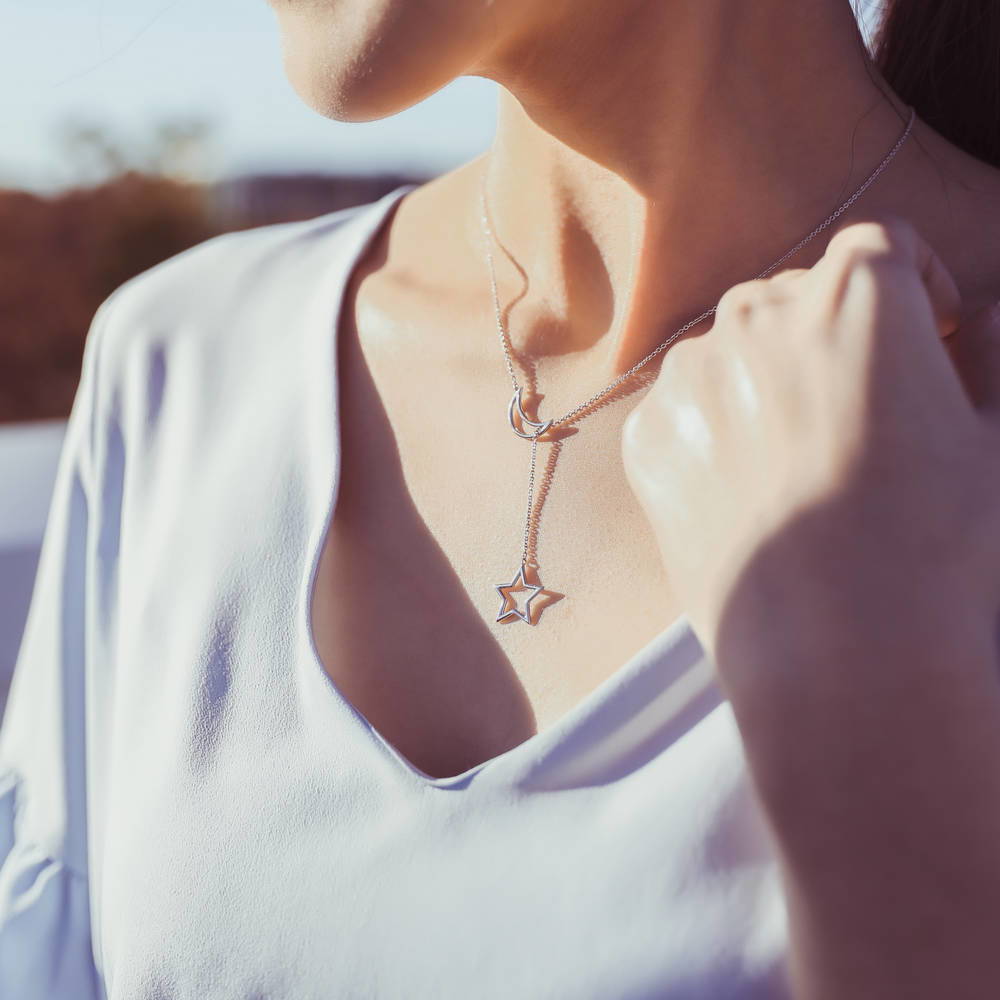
x=895 y=237
x=789 y=274
x=975 y=349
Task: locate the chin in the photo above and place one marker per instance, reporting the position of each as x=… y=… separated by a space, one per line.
x=337 y=92
x=381 y=60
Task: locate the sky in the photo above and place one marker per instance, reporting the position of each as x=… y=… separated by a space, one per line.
x=125 y=64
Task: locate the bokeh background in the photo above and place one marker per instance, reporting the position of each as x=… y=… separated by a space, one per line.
x=131 y=130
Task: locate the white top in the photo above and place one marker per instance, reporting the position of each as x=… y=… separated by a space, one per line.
x=189 y=807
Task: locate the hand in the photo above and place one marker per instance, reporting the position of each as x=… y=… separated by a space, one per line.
x=824 y=439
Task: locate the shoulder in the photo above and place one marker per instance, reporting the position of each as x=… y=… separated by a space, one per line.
x=190 y=344
x=212 y=284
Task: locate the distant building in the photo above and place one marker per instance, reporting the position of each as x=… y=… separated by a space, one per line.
x=260 y=199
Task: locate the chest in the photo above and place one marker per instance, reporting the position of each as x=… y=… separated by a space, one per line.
x=430 y=517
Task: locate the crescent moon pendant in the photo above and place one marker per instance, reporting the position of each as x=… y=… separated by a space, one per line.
x=538 y=427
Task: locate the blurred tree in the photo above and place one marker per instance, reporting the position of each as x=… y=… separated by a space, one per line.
x=61 y=255
x=90 y=151
x=179 y=147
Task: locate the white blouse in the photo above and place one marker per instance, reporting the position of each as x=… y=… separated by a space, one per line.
x=190 y=809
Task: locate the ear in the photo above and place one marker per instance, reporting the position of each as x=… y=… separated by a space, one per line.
x=975 y=349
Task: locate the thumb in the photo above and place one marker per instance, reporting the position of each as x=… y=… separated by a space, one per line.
x=975 y=350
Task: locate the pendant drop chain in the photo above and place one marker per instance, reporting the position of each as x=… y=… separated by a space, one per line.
x=532 y=430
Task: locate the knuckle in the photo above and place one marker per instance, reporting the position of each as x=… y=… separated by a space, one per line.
x=634 y=430
x=874 y=264
x=866 y=269
x=884 y=237
x=742 y=300
x=677 y=362
x=787 y=275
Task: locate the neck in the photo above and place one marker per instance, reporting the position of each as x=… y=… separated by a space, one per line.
x=650 y=155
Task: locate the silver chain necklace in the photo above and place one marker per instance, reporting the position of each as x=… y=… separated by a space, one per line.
x=532 y=430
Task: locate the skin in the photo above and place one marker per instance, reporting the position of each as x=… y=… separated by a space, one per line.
x=649 y=158
x=869 y=514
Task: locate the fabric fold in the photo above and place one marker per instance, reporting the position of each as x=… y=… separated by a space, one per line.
x=45 y=951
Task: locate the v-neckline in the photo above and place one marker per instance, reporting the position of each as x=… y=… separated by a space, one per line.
x=678 y=632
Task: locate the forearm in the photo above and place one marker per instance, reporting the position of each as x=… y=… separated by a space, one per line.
x=877 y=762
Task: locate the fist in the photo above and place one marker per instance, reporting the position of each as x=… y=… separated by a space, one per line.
x=820 y=441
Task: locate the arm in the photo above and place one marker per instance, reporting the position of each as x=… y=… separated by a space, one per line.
x=877 y=763
x=46 y=951
x=833 y=520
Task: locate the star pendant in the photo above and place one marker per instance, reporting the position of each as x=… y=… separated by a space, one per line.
x=509 y=606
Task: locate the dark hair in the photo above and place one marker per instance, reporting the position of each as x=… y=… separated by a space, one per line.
x=943 y=58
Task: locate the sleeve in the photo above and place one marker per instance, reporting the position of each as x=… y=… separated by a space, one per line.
x=46 y=950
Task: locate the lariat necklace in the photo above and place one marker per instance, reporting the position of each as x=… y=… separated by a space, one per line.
x=533 y=430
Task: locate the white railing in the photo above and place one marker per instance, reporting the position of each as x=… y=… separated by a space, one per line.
x=29 y=454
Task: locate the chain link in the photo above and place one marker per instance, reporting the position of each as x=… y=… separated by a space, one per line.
x=566 y=418
x=531 y=497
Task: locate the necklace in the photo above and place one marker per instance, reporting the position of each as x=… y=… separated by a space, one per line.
x=532 y=430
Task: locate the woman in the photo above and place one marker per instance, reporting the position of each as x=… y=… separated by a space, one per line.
x=291 y=717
